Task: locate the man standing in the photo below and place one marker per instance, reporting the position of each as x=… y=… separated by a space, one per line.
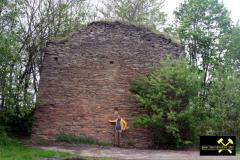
x=120 y=126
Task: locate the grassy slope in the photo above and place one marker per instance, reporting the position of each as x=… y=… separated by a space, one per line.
x=13 y=150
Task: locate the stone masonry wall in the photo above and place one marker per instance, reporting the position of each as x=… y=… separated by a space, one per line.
x=88 y=74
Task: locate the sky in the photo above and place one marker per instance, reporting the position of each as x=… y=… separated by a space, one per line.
x=170 y=5
x=232 y=5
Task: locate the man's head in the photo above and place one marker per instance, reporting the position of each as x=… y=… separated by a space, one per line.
x=116 y=112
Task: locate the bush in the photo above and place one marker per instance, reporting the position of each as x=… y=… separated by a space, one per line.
x=5 y=140
x=168 y=96
x=16 y=124
x=224 y=101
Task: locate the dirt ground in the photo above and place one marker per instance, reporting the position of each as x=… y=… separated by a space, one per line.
x=136 y=154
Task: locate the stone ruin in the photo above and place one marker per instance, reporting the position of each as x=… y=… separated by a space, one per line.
x=87 y=74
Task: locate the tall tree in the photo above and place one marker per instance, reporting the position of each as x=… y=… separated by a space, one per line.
x=230 y=44
x=141 y=12
x=9 y=59
x=200 y=26
x=46 y=19
x=25 y=27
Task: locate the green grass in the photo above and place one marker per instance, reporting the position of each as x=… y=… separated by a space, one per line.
x=13 y=150
x=16 y=151
x=80 y=140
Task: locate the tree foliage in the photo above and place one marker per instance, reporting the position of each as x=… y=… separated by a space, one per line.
x=224 y=101
x=167 y=96
x=200 y=26
x=139 y=12
x=230 y=44
x=173 y=110
x=25 y=27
